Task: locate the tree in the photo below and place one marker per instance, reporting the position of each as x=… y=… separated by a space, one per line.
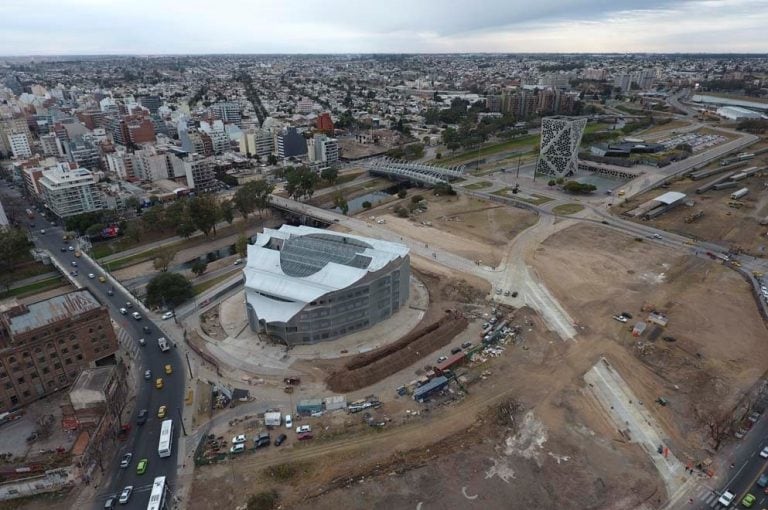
x=199 y=266
x=438 y=155
x=300 y=182
x=203 y=212
x=227 y=211
x=14 y=246
x=402 y=211
x=402 y=193
x=94 y=231
x=253 y=195
x=153 y=218
x=577 y=187
x=132 y=203
x=551 y=182
x=241 y=245
x=416 y=199
x=168 y=289
x=164 y=258
x=264 y=500
x=367 y=205
x=185 y=229
x=272 y=159
x=134 y=231
x=443 y=188
x=341 y=203
x=330 y=175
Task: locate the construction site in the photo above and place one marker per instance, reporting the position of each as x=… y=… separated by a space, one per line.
x=477 y=399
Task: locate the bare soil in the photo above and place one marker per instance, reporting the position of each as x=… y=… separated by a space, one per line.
x=472 y=228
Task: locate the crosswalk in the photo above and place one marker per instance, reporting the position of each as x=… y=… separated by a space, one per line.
x=708 y=496
x=127 y=342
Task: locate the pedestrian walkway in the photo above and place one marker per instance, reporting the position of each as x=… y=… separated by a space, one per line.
x=708 y=496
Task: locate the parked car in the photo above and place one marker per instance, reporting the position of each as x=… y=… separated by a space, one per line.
x=126 y=460
x=141 y=419
x=288 y=421
x=764 y=453
x=763 y=480
x=466 y=345
x=303 y=428
x=441 y=359
x=141 y=467
x=280 y=439
x=456 y=350
x=167 y=315
x=238 y=448
x=239 y=439
x=304 y=436
x=126 y=494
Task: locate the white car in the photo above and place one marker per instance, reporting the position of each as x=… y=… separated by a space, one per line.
x=238 y=448
x=91 y=276
x=239 y=439
x=764 y=453
x=288 y=421
x=303 y=428
x=726 y=499
x=70 y=248
x=123 y=311
x=136 y=315
x=126 y=494
x=167 y=315
x=620 y=318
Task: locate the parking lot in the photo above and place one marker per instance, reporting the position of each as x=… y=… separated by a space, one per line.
x=697 y=141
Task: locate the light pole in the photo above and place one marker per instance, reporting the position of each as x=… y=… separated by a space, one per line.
x=181 y=419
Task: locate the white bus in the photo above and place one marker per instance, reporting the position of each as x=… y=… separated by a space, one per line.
x=166 y=439
x=158 y=499
x=163 y=344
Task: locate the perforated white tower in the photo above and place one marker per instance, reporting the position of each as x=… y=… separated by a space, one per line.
x=560 y=139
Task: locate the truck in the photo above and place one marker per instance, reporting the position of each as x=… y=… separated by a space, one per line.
x=163 y=344
x=273 y=418
x=740 y=193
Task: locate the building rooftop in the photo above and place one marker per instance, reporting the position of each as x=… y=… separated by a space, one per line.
x=53 y=310
x=670 y=197
x=90 y=387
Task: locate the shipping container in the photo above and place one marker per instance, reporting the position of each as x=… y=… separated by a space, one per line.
x=738 y=194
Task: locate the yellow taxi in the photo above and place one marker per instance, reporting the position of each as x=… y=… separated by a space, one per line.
x=159 y=383
x=161 y=412
x=78 y=254
x=168 y=369
x=102 y=279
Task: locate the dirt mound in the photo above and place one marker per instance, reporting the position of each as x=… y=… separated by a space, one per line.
x=461 y=291
x=371 y=367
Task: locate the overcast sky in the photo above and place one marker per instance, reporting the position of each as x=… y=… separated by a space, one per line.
x=52 y=27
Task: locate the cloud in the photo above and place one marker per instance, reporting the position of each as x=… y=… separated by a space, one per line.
x=346 y=26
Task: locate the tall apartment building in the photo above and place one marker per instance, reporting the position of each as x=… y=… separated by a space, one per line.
x=595 y=74
x=154 y=163
x=199 y=172
x=323 y=149
x=32 y=178
x=218 y=136
x=92 y=119
x=227 y=111
x=324 y=123
x=151 y=103
x=50 y=145
x=85 y=154
x=290 y=143
x=70 y=191
x=123 y=164
x=305 y=105
x=258 y=142
x=19 y=143
x=131 y=129
x=560 y=139
x=45 y=345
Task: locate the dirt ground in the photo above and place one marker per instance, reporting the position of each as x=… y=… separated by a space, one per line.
x=450 y=221
x=718 y=334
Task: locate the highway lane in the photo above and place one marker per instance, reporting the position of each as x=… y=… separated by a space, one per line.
x=142 y=441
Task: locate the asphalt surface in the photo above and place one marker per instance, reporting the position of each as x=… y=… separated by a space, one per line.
x=747 y=464
x=142 y=441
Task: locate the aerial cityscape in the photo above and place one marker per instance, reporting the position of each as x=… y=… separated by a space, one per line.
x=304 y=255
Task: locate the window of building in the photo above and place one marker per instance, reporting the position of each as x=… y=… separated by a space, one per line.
x=79 y=357
x=12 y=359
x=20 y=380
x=8 y=386
x=14 y=400
x=68 y=361
x=26 y=393
x=62 y=378
x=76 y=347
x=46 y=370
x=64 y=350
x=57 y=365
x=34 y=375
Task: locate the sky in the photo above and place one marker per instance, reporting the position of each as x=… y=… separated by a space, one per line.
x=62 y=27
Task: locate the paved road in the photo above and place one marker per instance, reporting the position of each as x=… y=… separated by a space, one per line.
x=143 y=440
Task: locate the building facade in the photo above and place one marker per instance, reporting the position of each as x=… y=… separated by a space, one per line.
x=19 y=143
x=70 y=191
x=290 y=143
x=323 y=149
x=560 y=140
x=45 y=345
x=199 y=172
x=305 y=285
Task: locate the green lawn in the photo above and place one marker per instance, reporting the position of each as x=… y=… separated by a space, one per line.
x=488 y=150
x=136 y=258
x=566 y=209
x=478 y=185
x=595 y=126
x=202 y=287
x=32 y=288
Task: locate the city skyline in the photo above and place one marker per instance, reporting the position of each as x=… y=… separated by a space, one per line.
x=78 y=27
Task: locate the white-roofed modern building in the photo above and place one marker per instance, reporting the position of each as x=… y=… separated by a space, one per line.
x=305 y=285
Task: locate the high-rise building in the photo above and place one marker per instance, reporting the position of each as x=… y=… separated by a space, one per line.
x=227 y=111
x=290 y=143
x=19 y=143
x=45 y=345
x=493 y=103
x=323 y=149
x=51 y=145
x=560 y=139
x=218 y=136
x=69 y=191
x=151 y=103
x=199 y=172
x=305 y=105
x=257 y=142
x=324 y=123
